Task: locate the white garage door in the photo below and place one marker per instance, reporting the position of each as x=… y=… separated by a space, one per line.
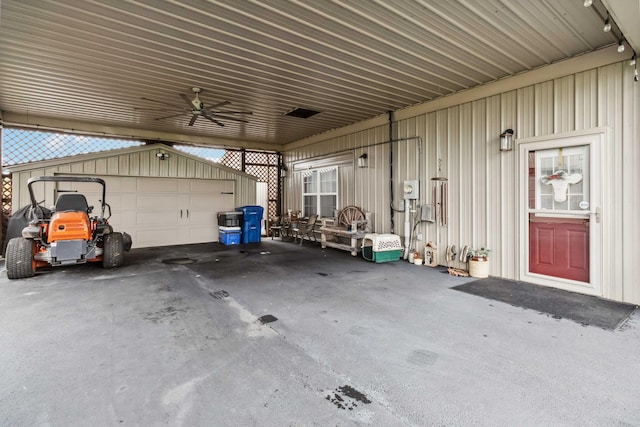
x=162 y=211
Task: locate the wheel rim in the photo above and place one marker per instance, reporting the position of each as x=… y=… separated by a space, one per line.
x=350 y=214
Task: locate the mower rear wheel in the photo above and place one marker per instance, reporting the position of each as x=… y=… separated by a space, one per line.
x=20 y=262
x=112 y=250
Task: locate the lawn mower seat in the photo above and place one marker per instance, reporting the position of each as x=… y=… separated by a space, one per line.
x=72 y=202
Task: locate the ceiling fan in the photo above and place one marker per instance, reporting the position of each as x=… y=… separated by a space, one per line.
x=196 y=108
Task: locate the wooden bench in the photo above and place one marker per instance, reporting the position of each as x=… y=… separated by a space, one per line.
x=346 y=231
x=335 y=233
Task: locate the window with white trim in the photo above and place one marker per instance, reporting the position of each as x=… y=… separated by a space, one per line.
x=320 y=191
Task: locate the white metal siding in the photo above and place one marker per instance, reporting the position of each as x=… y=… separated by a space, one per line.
x=483 y=208
x=630 y=214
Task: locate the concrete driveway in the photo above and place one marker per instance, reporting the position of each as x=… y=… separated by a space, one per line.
x=342 y=342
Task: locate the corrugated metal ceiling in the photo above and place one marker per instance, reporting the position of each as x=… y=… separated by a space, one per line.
x=93 y=61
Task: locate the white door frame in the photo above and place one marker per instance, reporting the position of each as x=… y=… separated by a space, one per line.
x=595 y=139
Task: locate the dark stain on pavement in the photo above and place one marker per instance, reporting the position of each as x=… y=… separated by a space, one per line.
x=179 y=261
x=267 y=318
x=164 y=314
x=347 y=397
x=219 y=294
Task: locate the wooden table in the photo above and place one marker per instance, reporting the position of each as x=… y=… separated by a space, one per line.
x=355 y=238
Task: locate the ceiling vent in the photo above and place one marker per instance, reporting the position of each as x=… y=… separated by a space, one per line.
x=303 y=113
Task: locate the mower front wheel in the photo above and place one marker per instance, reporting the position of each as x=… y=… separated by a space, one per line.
x=20 y=262
x=112 y=250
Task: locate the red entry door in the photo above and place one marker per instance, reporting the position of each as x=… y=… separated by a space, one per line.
x=559 y=247
x=559 y=206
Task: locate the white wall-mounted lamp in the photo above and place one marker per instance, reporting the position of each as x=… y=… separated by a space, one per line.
x=363 y=160
x=162 y=155
x=506 y=140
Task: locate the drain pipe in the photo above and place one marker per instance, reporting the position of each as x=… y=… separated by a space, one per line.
x=391 y=209
x=407 y=227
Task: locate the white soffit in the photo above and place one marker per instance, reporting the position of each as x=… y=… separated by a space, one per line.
x=71 y=64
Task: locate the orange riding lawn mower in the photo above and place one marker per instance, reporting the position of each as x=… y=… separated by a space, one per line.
x=64 y=235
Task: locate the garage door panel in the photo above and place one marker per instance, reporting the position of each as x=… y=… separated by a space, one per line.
x=204 y=203
x=203 y=234
x=158 y=202
x=129 y=199
x=114 y=184
x=184 y=186
x=114 y=200
x=157 y=185
x=129 y=184
x=227 y=201
x=151 y=218
x=203 y=218
x=156 y=237
x=124 y=221
x=80 y=187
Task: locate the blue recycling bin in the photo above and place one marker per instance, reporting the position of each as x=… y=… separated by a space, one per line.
x=251 y=223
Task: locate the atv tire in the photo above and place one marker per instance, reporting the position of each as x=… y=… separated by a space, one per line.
x=20 y=262
x=112 y=250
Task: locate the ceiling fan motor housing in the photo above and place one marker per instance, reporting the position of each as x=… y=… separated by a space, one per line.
x=197 y=104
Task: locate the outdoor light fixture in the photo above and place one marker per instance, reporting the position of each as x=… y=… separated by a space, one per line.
x=607 y=25
x=506 y=140
x=363 y=160
x=588 y=3
x=162 y=155
x=633 y=60
x=635 y=74
x=621 y=46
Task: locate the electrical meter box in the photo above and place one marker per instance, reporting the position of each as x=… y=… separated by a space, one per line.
x=411 y=190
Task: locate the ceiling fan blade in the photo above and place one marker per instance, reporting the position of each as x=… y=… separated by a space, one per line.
x=168 y=117
x=219 y=104
x=162 y=102
x=208 y=116
x=186 y=99
x=193 y=119
x=157 y=109
x=232 y=112
x=235 y=119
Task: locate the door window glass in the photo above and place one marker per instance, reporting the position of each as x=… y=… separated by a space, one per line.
x=558 y=179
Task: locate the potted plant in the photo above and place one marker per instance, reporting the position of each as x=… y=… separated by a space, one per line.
x=479 y=262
